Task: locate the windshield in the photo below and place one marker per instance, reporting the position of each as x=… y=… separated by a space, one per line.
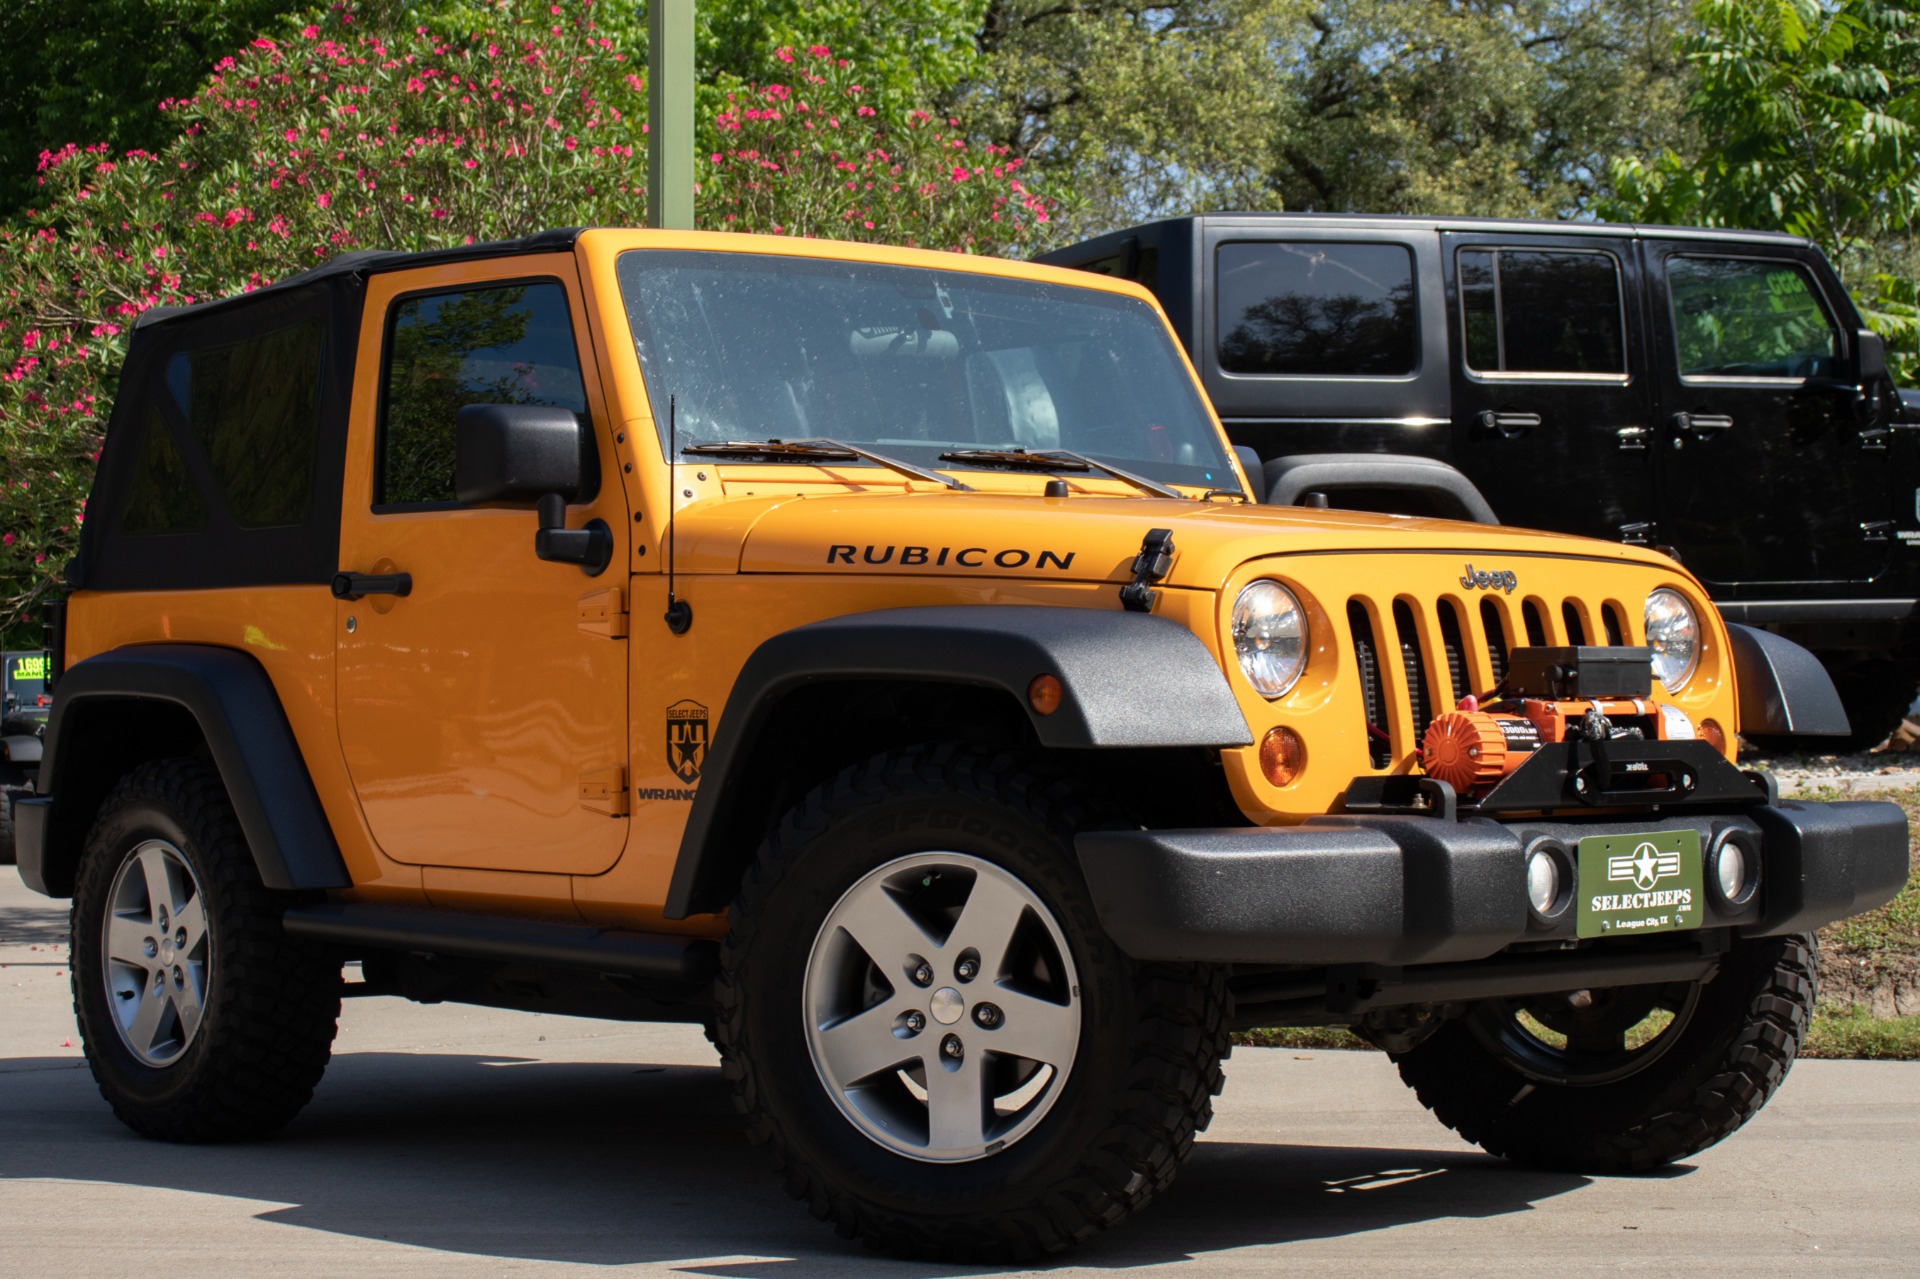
x=913 y=362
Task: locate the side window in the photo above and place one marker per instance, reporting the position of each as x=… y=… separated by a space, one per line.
x=1554 y=312
x=503 y=344
x=164 y=498
x=1746 y=318
x=253 y=407
x=1317 y=310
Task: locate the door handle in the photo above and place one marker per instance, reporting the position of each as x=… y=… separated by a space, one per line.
x=1701 y=424
x=1508 y=426
x=353 y=586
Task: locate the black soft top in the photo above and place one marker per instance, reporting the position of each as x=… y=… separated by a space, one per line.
x=364 y=262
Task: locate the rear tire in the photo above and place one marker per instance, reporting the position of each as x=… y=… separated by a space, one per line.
x=201 y=1019
x=1121 y=1058
x=1597 y=1103
x=7 y=794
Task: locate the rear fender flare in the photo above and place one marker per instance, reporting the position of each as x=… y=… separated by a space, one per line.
x=240 y=719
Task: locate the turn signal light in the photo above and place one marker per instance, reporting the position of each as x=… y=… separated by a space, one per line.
x=1045 y=694
x=1714 y=735
x=1283 y=756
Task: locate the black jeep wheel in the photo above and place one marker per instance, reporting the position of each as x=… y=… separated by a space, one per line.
x=925 y=1025
x=201 y=1019
x=1631 y=1078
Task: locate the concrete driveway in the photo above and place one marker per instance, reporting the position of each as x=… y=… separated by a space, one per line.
x=449 y=1140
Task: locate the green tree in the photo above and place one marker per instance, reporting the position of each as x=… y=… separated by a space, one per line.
x=92 y=70
x=1809 y=122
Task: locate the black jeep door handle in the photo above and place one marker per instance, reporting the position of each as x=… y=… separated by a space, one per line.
x=352 y=586
x=1702 y=424
x=1508 y=426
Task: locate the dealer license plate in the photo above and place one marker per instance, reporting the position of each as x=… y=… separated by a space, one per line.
x=1647 y=883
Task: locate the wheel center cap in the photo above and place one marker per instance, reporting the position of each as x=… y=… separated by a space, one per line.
x=947 y=1005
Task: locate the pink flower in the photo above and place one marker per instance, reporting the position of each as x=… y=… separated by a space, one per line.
x=8 y=540
x=310 y=33
x=819 y=51
x=323 y=199
x=960 y=174
x=783 y=53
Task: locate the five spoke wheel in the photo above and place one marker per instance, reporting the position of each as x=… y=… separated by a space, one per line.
x=155 y=953
x=942 y=1007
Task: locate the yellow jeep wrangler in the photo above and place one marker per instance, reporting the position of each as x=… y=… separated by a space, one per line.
x=879 y=658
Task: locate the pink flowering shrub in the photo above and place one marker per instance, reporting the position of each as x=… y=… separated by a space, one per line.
x=344 y=134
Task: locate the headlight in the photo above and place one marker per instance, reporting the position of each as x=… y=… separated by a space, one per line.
x=1673 y=633
x=1270 y=637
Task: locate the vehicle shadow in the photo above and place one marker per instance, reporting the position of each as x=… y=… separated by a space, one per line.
x=616 y=1163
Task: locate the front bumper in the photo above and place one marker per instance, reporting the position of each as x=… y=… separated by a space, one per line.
x=1393 y=890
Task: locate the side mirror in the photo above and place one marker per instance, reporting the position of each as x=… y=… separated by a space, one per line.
x=1870 y=372
x=536 y=455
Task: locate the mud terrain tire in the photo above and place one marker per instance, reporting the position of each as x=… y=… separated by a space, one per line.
x=1147 y=1039
x=1740 y=1034
x=244 y=1015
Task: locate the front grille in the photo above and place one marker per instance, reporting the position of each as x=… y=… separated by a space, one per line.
x=1447 y=651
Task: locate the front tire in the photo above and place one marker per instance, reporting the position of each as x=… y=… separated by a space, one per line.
x=1585 y=1089
x=201 y=1019
x=926 y=1027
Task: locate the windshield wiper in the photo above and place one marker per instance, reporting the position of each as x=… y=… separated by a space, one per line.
x=1057 y=460
x=821 y=449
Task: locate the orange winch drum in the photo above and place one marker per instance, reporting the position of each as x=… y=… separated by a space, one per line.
x=1471 y=750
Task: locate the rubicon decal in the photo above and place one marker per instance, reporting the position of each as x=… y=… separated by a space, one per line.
x=686 y=739
x=1489 y=581
x=949 y=557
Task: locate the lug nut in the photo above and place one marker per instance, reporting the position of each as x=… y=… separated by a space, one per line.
x=950 y=1048
x=923 y=974
x=987 y=1015
x=966 y=970
x=916 y=1022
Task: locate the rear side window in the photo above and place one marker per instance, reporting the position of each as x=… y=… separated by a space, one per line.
x=1747 y=318
x=253 y=406
x=164 y=498
x=504 y=344
x=1317 y=309
x=1542 y=311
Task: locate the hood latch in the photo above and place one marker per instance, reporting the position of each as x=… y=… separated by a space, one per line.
x=1149 y=566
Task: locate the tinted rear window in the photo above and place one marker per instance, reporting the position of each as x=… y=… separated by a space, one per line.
x=1312 y=309
x=1542 y=311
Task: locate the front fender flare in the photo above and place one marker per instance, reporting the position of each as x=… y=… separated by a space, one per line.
x=1130 y=681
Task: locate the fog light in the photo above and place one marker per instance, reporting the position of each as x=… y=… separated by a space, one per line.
x=1731 y=871
x=1543 y=881
x=1283 y=756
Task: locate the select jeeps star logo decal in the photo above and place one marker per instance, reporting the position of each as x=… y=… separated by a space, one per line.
x=1645 y=866
x=686 y=739
x=1498 y=580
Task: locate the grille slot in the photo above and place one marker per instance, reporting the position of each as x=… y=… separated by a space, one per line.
x=1419 y=696
x=1366 y=658
x=1535 y=624
x=1616 y=632
x=1576 y=630
x=1496 y=639
x=1453 y=643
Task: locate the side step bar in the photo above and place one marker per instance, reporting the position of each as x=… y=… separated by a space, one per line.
x=692 y=960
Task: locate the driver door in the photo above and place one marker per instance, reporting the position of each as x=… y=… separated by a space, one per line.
x=482 y=713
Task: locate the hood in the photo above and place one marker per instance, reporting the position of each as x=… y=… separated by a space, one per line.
x=1072 y=539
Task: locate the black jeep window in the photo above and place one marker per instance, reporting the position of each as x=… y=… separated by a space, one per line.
x=1542 y=311
x=1749 y=318
x=252 y=406
x=509 y=344
x=1317 y=309
x=164 y=499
